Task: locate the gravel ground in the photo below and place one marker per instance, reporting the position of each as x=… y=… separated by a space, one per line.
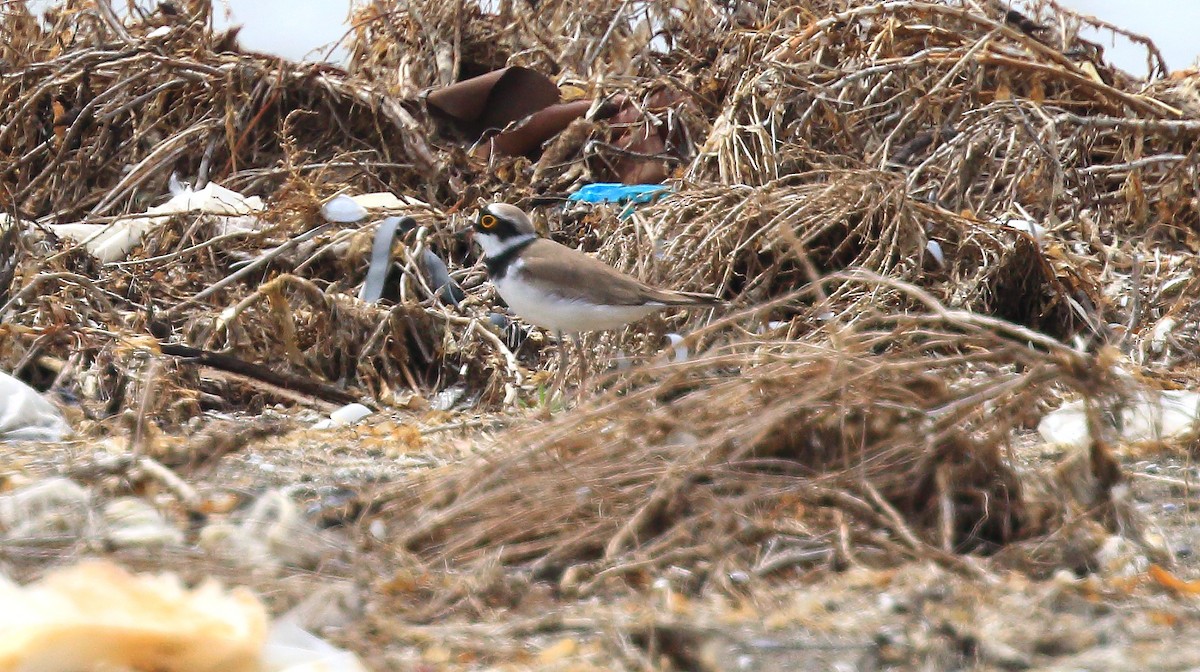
x=283 y=515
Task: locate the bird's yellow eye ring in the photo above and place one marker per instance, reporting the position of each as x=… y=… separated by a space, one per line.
x=487 y=222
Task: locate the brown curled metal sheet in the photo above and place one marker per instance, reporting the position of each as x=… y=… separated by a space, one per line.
x=527 y=137
x=494 y=100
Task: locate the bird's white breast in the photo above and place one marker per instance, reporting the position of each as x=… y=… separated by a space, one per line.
x=550 y=311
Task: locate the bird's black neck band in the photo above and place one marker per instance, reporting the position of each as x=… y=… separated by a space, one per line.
x=497 y=266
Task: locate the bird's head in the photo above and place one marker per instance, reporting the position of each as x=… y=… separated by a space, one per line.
x=500 y=226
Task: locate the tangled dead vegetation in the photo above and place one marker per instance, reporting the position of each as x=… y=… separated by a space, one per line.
x=768 y=241
x=894 y=137
x=930 y=221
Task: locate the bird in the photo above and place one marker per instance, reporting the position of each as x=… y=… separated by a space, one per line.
x=559 y=288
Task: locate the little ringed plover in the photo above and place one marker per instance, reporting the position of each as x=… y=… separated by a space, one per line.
x=562 y=289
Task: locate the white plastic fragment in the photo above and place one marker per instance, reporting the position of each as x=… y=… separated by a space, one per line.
x=174 y=185
x=290 y=648
x=346 y=415
x=934 y=248
x=111 y=242
x=343 y=209
x=448 y=398
x=1150 y=416
x=6 y=220
x=213 y=199
x=161 y=31
x=1026 y=226
x=681 y=351
x=379 y=200
x=226 y=225
x=346 y=209
x=1066 y=425
x=25 y=415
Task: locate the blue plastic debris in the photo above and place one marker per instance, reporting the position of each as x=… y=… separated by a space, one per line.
x=615 y=192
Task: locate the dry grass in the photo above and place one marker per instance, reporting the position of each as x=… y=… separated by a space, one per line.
x=881 y=438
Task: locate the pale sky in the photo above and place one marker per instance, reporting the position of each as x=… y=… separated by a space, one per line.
x=292 y=28
x=300 y=28
x=1174 y=25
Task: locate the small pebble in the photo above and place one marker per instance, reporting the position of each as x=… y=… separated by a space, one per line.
x=133 y=523
x=448 y=398
x=499 y=320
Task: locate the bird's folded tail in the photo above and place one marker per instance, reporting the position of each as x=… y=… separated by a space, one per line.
x=675 y=298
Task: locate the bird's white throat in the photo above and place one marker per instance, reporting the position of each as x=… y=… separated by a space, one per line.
x=494 y=246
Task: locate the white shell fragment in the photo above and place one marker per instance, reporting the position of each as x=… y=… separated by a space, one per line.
x=346 y=415
x=343 y=209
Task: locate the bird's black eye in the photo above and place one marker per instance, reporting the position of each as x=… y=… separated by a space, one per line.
x=487 y=222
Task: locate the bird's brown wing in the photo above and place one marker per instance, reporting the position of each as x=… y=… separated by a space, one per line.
x=574 y=275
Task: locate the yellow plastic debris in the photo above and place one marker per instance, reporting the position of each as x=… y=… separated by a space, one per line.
x=97 y=616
